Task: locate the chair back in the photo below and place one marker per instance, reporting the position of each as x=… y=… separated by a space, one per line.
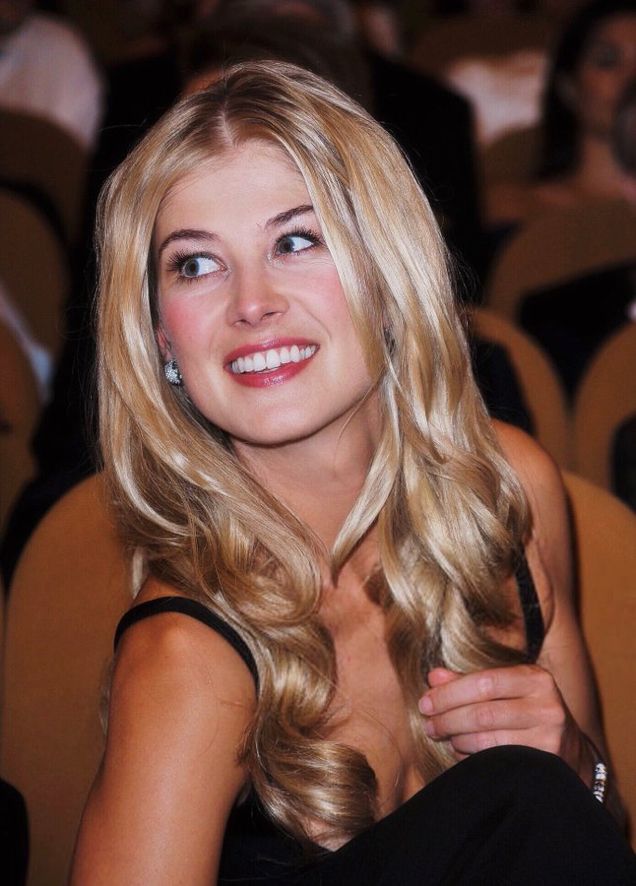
x=449 y=38
x=558 y=245
x=511 y=157
x=19 y=410
x=606 y=396
x=33 y=268
x=540 y=385
x=605 y=551
x=70 y=588
x=36 y=152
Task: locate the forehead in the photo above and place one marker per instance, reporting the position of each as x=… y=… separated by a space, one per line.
x=250 y=176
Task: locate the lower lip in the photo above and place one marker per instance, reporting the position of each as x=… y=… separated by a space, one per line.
x=269 y=377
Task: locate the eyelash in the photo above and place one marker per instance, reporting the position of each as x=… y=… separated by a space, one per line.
x=179 y=259
x=305 y=233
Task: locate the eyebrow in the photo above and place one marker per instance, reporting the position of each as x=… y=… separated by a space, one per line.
x=201 y=235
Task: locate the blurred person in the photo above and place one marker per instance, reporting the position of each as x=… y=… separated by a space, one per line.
x=47 y=70
x=593 y=62
x=573 y=319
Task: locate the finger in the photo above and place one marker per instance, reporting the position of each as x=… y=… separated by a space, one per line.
x=491 y=716
x=472 y=743
x=512 y=682
x=440 y=676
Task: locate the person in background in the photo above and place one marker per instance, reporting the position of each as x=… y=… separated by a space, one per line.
x=572 y=319
x=592 y=63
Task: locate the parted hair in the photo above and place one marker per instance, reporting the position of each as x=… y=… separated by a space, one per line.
x=449 y=512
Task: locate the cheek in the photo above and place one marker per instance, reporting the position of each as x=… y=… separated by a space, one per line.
x=186 y=323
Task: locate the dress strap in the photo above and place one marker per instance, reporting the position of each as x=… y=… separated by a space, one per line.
x=194 y=609
x=531 y=608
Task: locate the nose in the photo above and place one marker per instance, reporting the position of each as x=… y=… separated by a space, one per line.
x=255 y=298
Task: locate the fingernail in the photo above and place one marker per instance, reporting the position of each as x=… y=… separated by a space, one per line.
x=426 y=705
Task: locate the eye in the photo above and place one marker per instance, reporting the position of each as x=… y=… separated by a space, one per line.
x=191 y=266
x=605 y=56
x=198 y=266
x=297 y=241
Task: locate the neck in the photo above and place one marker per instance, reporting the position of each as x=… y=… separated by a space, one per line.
x=597 y=172
x=319 y=478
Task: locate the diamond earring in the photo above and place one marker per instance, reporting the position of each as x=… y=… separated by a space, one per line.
x=173 y=373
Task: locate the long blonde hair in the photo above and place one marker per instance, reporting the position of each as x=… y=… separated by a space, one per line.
x=450 y=514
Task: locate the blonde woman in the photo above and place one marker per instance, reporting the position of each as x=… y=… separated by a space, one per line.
x=356 y=588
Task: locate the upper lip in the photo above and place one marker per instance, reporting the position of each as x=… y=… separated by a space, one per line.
x=275 y=343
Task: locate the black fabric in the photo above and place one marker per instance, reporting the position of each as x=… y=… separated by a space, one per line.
x=499 y=384
x=509 y=815
x=624 y=462
x=14 y=836
x=197 y=610
x=531 y=608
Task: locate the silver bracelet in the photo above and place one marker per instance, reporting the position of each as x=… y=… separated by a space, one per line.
x=599 y=783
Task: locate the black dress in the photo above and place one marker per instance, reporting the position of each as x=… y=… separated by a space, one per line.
x=509 y=815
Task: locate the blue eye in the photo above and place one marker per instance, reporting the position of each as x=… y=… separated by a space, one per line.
x=194 y=266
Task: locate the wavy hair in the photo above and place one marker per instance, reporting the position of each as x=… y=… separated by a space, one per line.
x=449 y=511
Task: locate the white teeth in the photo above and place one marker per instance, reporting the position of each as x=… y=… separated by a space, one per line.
x=271 y=359
x=259 y=361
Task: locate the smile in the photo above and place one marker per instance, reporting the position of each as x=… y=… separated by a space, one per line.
x=273 y=358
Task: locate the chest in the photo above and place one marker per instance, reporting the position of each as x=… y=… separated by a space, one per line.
x=369 y=711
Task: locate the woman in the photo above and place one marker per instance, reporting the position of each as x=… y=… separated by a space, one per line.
x=297 y=451
x=593 y=63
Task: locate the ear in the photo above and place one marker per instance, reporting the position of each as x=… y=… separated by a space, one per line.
x=163 y=343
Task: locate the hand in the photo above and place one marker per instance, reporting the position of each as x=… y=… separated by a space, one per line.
x=520 y=704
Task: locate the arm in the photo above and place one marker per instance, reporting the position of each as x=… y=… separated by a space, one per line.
x=181 y=700
x=550 y=705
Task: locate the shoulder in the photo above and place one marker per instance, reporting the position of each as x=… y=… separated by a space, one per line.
x=537 y=471
x=180 y=653
x=181 y=702
x=548 y=548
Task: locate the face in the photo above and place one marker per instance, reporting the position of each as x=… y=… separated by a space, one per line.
x=251 y=304
x=606 y=67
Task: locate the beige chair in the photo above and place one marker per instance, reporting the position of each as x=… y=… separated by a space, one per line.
x=69 y=590
x=36 y=151
x=606 y=396
x=19 y=410
x=510 y=158
x=605 y=540
x=33 y=268
x=450 y=38
x=539 y=383
x=558 y=245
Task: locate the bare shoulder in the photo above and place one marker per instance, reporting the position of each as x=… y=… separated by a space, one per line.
x=182 y=654
x=549 y=547
x=181 y=701
x=536 y=469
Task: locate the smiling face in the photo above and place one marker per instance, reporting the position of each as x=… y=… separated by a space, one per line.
x=251 y=305
x=606 y=67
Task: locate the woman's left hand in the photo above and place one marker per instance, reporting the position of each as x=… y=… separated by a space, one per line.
x=520 y=704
